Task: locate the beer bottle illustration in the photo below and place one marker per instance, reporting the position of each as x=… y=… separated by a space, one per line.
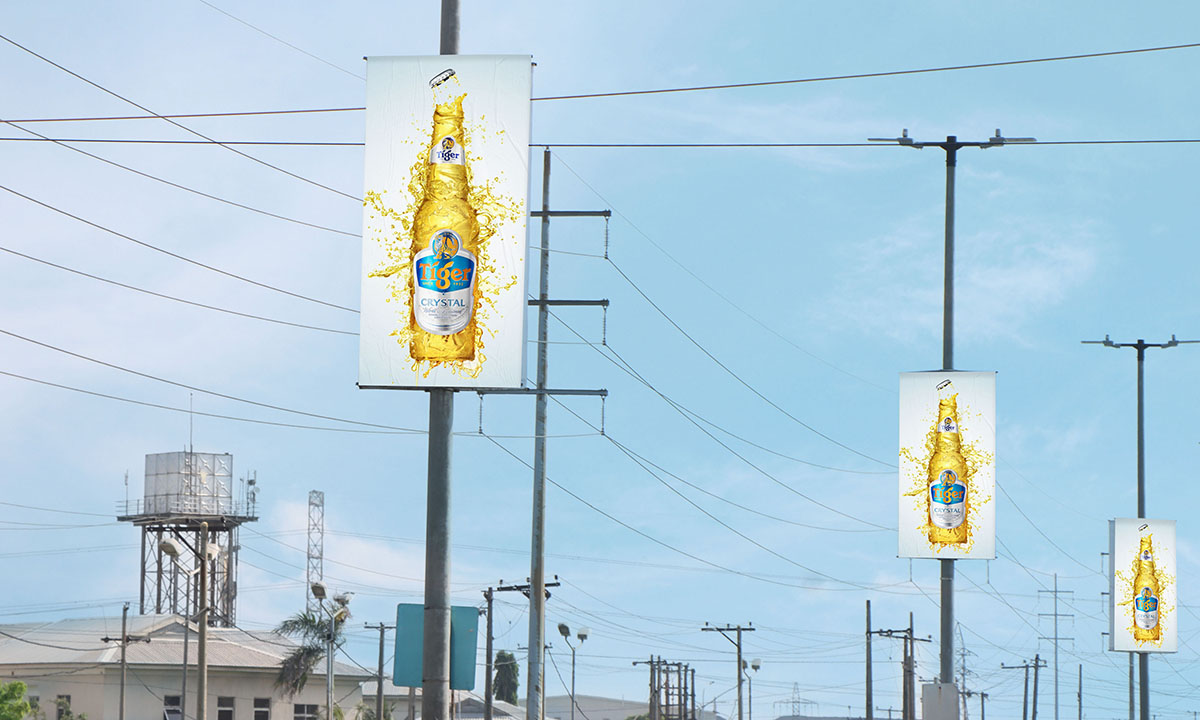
x=1145 y=595
x=445 y=247
x=947 y=479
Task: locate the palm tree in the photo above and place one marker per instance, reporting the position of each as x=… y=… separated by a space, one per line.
x=312 y=631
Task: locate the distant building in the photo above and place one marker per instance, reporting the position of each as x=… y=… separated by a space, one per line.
x=66 y=660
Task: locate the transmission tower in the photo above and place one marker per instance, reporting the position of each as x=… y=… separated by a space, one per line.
x=316 y=547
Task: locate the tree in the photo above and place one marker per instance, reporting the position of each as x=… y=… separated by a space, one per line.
x=13 y=705
x=312 y=632
x=508 y=677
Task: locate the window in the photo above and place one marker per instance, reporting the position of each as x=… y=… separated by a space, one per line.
x=63 y=706
x=34 y=704
x=172 y=709
x=224 y=708
x=262 y=708
x=305 y=712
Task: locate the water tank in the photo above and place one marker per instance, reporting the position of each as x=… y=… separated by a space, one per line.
x=189 y=483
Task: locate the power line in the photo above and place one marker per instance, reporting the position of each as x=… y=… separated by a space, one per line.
x=860 y=76
x=202 y=390
x=282 y=41
x=177 y=185
x=246 y=113
x=175 y=255
x=176 y=299
x=172 y=122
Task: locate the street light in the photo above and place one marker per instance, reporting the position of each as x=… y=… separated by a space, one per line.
x=339 y=613
x=582 y=635
x=951 y=146
x=173 y=549
x=755 y=664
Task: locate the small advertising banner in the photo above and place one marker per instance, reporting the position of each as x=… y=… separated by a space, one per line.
x=444 y=218
x=1141 y=584
x=947 y=465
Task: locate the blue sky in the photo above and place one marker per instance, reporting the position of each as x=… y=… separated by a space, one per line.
x=813 y=275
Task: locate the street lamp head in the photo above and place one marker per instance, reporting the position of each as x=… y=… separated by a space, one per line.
x=755 y=664
x=171 y=547
x=343 y=599
x=564 y=630
x=582 y=634
x=318 y=590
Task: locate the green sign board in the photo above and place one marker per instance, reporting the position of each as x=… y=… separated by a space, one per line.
x=410 y=631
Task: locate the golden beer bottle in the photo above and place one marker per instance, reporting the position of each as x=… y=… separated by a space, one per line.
x=947 y=479
x=1145 y=595
x=445 y=248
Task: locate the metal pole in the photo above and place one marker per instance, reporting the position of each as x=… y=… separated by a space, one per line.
x=947 y=605
x=1055 y=646
x=1025 y=702
x=537 y=571
x=187 y=621
x=572 y=681
x=487 y=681
x=435 y=650
x=328 y=666
x=1131 y=702
x=1143 y=658
x=1079 y=694
x=124 y=642
x=435 y=683
x=870 y=702
x=202 y=643
x=379 y=686
x=739 y=671
x=1037 y=663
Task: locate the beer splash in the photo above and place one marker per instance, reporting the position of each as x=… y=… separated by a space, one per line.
x=1124 y=587
x=917 y=459
x=392 y=226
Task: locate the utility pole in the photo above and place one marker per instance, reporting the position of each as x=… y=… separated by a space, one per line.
x=125 y=639
x=870 y=701
x=1056 y=615
x=1038 y=662
x=951 y=146
x=1079 y=694
x=908 y=684
x=487 y=680
x=739 y=630
x=527 y=590
x=1023 y=666
x=382 y=628
x=1140 y=346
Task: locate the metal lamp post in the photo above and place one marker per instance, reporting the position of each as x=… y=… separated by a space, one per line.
x=172 y=549
x=582 y=635
x=951 y=145
x=339 y=614
x=754 y=665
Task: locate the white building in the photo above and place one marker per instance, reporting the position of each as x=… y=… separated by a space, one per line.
x=68 y=660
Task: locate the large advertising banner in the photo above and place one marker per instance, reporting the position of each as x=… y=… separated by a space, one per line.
x=444 y=216
x=1141 y=584
x=947 y=465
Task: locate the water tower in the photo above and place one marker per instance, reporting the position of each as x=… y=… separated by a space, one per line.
x=182 y=490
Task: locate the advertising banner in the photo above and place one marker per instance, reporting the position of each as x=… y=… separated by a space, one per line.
x=1141 y=583
x=444 y=218
x=947 y=465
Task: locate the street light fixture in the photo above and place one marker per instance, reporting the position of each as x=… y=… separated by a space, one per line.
x=338 y=613
x=754 y=665
x=565 y=631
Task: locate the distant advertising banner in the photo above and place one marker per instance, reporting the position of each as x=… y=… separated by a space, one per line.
x=1141 y=585
x=444 y=219
x=947 y=465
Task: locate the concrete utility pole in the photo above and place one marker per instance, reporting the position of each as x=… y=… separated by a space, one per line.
x=202 y=640
x=908 y=702
x=739 y=630
x=1056 y=615
x=870 y=714
x=951 y=145
x=489 y=668
x=382 y=628
x=125 y=639
x=1140 y=346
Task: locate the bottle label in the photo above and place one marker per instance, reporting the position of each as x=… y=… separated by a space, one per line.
x=947 y=501
x=446 y=152
x=1145 y=609
x=443 y=285
x=947 y=425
